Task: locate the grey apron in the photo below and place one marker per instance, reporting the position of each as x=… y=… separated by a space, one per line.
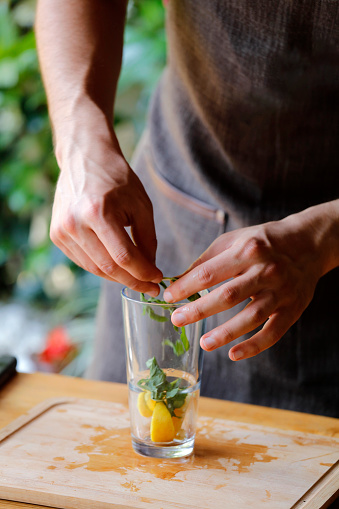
x=243 y=128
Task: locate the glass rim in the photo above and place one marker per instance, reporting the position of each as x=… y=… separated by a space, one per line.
x=168 y=304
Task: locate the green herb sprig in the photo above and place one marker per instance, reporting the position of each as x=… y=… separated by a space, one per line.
x=181 y=345
x=149 y=310
x=161 y=389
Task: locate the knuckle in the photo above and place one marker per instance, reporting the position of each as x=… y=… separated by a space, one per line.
x=135 y=285
x=196 y=313
x=254 y=247
x=108 y=268
x=94 y=269
x=123 y=257
x=56 y=234
x=258 y=314
x=227 y=334
x=255 y=349
x=272 y=271
x=205 y=276
x=229 y=295
x=92 y=210
x=69 y=224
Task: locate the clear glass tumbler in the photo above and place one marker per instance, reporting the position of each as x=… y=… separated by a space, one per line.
x=164 y=365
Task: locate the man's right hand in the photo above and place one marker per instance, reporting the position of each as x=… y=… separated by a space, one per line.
x=97 y=196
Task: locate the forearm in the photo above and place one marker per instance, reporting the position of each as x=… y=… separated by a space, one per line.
x=80 y=50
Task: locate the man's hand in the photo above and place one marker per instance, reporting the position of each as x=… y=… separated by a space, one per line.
x=97 y=196
x=277 y=265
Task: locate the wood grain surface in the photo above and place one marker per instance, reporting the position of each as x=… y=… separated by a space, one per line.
x=235 y=451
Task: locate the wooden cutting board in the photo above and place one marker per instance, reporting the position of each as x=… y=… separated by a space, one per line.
x=77 y=454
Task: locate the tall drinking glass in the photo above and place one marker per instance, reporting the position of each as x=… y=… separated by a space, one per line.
x=164 y=365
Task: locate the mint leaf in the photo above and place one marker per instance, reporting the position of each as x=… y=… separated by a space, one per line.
x=181 y=345
x=177 y=347
x=171 y=393
x=161 y=389
x=154 y=316
x=193 y=297
x=184 y=339
x=154 y=368
x=168 y=342
x=147 y=309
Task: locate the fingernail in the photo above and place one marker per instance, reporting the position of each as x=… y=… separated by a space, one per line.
x=238 y=354
x=168 y=296
x=157 y=280
x=180 y=319
x=209 y=342
x=153 y=293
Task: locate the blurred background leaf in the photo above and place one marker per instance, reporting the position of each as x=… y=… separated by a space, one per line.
x=33 y=273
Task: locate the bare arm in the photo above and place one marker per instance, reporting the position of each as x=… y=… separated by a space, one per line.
x=97 y=195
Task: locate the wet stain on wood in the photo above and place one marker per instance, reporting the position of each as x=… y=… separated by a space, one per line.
x=238 y=456
x=131 y=486
x=108 y=450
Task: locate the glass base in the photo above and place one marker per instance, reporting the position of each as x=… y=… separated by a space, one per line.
x=163 y=451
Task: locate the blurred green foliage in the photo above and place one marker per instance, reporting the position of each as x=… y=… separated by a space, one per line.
x=31 y=268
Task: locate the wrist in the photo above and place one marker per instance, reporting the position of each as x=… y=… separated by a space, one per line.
x=84 y=127
x=319 y=231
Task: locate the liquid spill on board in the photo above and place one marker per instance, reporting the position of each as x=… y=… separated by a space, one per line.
x=109 y=450
x=227 y=455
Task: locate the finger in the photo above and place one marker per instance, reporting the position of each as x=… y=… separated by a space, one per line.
x=102 y=260
x=82 y=259
x=207 y=274
x=125 y=254
x=144 y=235
x=253 y=315
x=224 y=297
x=66 y=247
x=69 y=254
x=273 y=330
x=98 y=261
x=220 y=244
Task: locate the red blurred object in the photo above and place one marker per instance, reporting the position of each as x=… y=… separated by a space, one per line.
x=59 y=350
